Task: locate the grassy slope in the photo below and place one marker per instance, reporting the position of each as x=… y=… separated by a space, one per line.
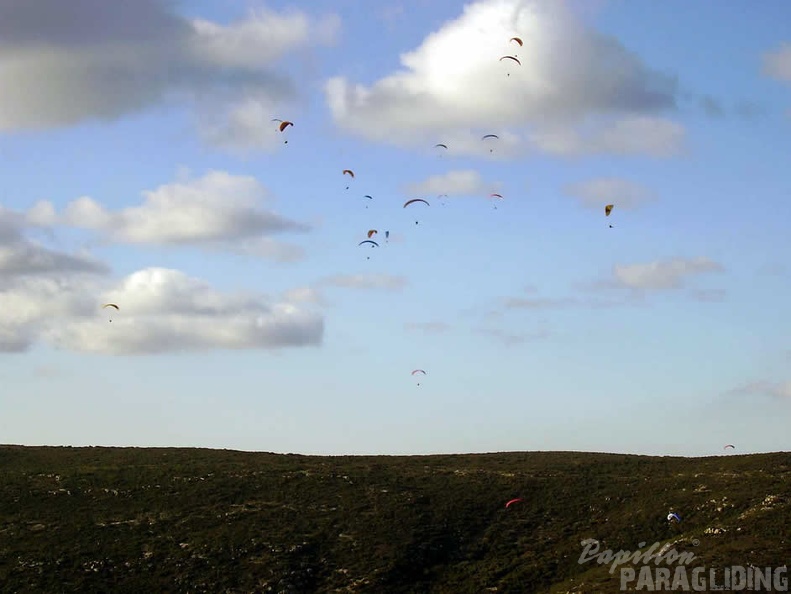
x=134 y=520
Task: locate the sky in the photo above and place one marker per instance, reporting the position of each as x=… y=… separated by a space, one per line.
x=143 y=165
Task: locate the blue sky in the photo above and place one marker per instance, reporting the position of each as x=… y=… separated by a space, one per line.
x=141 y=167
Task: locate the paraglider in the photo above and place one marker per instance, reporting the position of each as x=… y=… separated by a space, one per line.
x=113 y=305
x=445 y=146
x=730 y=445
x=387 y=236
x=512 y=501
x=283 y=125
x=490 y=136
x=514 y=58
x=673 y=517
x=373 y=245
x=348 y=172
x=366 y=196
x=408 y=202
x=416 y=371
x=497 y=196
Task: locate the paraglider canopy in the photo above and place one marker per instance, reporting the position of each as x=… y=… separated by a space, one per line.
x=673 y=517
x=348 y=172
x=490 y=136
x=372 y=232
x=114 y=306
x=517 y=39
x=518 y=499
x=608 y=209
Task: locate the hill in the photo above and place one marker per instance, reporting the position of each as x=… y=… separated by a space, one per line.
x=196 y=520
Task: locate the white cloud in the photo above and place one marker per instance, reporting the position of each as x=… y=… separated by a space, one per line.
x=577 y=90
x=259 y=40
x=61 y=64
x=660 y=275
x=596 y=193
x=20 y=256
x=777 y=63
x=164 y=310
x=465 y=182
x=55 y=297
x=41 y=214
x=365 y=281
x=242 y=126
x=38 y=284
x=217 y=211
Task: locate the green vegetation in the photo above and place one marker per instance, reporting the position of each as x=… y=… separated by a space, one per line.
x=194 y=520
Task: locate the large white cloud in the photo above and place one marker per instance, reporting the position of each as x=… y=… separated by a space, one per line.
x=55 y=297
x=217 y=211
x=166 y=310
x=596 y=193
x=161 y=310
x=38 y=283
x=576 y=91
x=20 y=256
x=64 y=63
